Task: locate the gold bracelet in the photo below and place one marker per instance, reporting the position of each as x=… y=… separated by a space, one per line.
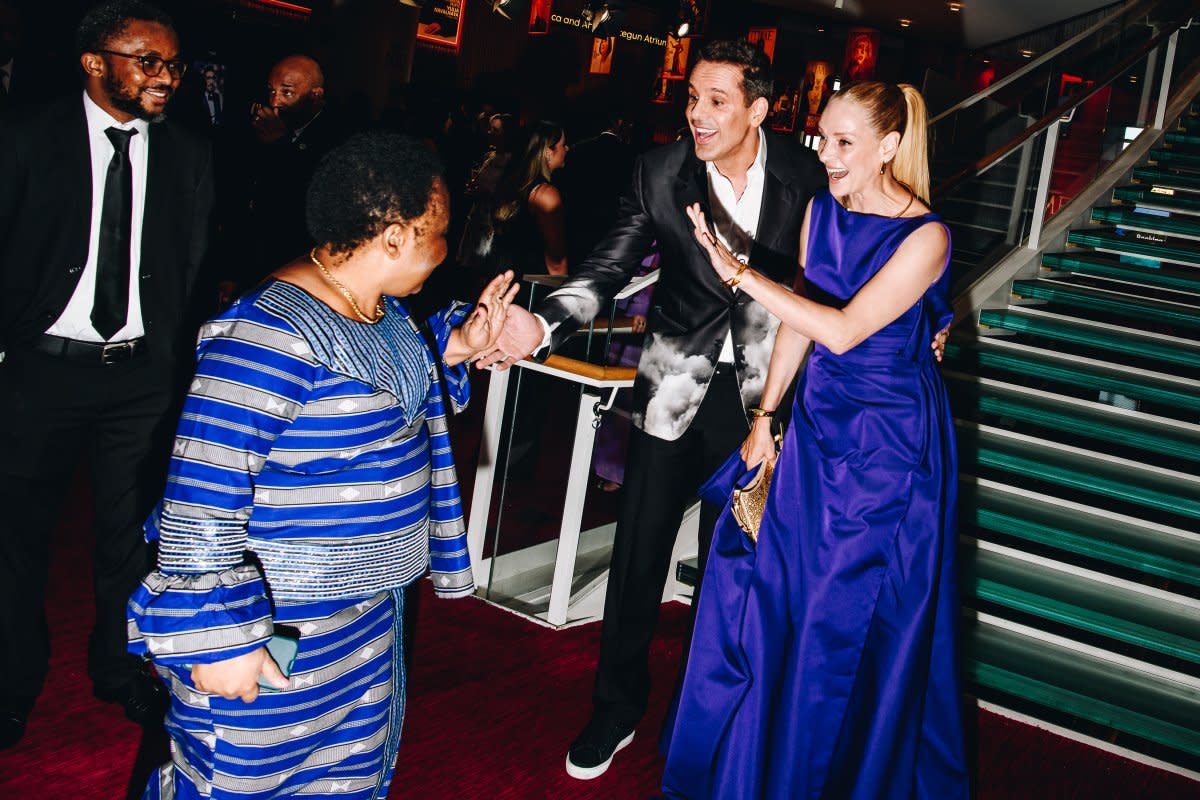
x=736 y=277
x=756 y=411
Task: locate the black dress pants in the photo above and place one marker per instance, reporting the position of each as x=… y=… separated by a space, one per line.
x=661 y=479
x=53 y=412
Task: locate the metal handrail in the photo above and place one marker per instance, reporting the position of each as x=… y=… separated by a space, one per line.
x=1042 y=59
x=1056 y=114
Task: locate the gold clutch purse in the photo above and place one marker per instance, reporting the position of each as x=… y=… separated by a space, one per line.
x=750 y=502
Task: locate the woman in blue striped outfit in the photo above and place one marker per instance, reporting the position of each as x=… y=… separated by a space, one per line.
x=311 y=481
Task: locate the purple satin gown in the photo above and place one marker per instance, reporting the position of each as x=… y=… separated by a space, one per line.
x=824 y=661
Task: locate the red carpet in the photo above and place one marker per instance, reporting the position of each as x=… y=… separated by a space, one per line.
x=494 y=700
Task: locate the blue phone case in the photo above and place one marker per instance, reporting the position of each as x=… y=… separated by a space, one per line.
x=283 y=649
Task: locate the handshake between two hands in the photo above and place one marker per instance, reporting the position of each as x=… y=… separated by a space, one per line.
x=497 y=332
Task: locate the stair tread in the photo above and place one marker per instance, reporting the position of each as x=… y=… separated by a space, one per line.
x=1182 y=225
x=1136 y=544
x=1157 y=246
x=1085 y=599
x=1048 y=671
x=1176 y=312
x=1135 y=269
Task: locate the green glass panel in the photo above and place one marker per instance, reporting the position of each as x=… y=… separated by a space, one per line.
x=1162 y=177
x=1092 y=337
x=1144 y=271
x=1171 y=249
x=1178 y=226
x=1127 y=306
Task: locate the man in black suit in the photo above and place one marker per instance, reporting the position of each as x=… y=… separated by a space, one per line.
x=292 y=131
x=103 y=222
x=706 y=351
x=597 y=173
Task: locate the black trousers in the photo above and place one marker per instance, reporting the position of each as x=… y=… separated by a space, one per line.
x=52 y=413
x=661 y=479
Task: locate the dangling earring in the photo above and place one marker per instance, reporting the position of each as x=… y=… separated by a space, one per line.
x=882 y=167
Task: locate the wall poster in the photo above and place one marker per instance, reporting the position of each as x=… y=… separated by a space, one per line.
x=441 y=23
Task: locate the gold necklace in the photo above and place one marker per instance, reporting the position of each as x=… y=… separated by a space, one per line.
x=897 y=215
x=312 y=254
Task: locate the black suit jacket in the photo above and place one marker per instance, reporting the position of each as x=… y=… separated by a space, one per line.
x=45 y=222
x=693 y=311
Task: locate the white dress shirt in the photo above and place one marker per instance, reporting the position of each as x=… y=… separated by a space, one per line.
x=76 y=319
x=735 y=219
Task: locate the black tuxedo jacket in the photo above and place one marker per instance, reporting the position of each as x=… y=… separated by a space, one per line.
x=692 y=311
x=45 y=222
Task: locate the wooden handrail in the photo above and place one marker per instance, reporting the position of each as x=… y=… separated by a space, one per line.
x=595 y=372
x=1072 y=102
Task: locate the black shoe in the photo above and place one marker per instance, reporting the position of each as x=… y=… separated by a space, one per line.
x=12 y=727
x=145 y=698
x=593 y=751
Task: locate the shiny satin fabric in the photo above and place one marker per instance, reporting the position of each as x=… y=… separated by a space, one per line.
x=824 y=660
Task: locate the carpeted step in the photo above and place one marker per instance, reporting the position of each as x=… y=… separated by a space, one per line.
x=1128 y=269
x=1165 y=178
x=1072 y=420
x=1101 y=605
x=1136 y=243
x=1014 y=362
x=1132 y=697
x=1027 y=459
x=991 y=509
x=1149 y=221
x=1173 y=201
x=1184 y=315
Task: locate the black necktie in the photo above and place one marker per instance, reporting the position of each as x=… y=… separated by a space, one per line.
x=111 y=305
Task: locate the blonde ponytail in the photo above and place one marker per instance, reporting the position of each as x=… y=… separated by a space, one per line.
x=911 y=163
x=901 y=109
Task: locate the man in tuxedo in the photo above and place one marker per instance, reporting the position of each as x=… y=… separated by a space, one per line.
x=706 y=351
x=292 y=131
x=103 y=223
x=214 y=101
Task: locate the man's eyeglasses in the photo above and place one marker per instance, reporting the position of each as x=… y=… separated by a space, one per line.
x=152 y=66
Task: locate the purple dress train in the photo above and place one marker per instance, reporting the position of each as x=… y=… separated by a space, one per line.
x=824 y=660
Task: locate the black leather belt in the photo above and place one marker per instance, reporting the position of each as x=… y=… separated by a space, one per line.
x=93 y=353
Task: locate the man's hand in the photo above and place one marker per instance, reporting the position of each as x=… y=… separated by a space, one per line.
x=478 y=333
x=238 y=677
x=639 y=323
x=266 y=124
x=939 y=343
x=521 y=336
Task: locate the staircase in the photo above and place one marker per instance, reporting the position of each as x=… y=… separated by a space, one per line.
x=1078 y=413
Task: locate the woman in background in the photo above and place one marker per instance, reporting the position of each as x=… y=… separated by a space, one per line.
x=527 y=215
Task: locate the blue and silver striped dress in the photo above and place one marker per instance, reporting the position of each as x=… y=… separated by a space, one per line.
x=311 y=480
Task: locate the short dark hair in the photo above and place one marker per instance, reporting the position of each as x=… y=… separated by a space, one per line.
x=756 y=67
x=372 y=180
x=107 y=20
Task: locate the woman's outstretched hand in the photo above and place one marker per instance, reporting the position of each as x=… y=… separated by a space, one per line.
x=722 y=260
x=759 y=445
x=481 y=330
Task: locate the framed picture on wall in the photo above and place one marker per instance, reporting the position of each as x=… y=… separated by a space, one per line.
x=675 y=58
x=441 y=23
x=862 y=48
x=783 y=110
x=765 y=38
x=602 y=54
x=539 y=17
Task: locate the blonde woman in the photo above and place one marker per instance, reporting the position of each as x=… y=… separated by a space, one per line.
x=823 y=663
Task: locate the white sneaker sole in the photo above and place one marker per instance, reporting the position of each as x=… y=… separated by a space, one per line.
x=587 y=773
